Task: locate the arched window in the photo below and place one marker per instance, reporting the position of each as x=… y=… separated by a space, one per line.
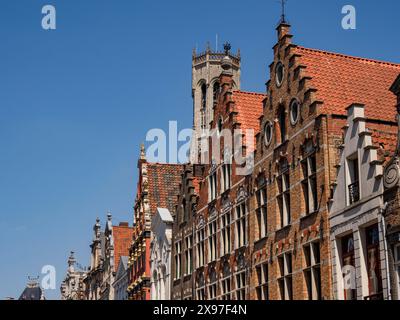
x=216 y=89
x=282 y=124
x=203 y=106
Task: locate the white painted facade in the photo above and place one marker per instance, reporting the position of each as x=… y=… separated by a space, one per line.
x=160 y=254
x=357 y=242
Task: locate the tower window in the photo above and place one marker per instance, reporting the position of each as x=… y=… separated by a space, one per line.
x=280 y=74
x=216 y=89
x=203 y=109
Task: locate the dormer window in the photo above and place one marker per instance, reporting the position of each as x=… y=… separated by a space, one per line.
x=279 y=74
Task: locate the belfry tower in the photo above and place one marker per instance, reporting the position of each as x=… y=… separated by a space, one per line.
x=206 y=69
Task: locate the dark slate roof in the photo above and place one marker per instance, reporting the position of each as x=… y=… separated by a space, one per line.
x=31 y=293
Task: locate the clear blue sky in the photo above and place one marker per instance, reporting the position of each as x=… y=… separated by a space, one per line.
x=75 y=103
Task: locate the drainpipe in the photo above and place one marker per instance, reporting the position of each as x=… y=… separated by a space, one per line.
x=382 y=210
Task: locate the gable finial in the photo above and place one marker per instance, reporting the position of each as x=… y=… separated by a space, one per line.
x=283 y=15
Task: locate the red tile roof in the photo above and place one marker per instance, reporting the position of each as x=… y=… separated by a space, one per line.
x=250 y=107
x=122 y=235
x=342 y=80
x=164 y=181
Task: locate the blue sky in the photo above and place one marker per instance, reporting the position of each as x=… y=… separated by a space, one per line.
x=75 y=103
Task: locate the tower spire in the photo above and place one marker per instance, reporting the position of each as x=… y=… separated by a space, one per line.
x=283 y=15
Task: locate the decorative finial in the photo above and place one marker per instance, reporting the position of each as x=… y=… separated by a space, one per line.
x=227 y=48
x=142 y=152
x=283 y=15
x=109 y=216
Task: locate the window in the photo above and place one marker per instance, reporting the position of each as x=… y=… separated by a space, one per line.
x=241 y=239
x=203 y=109
x=212 y=241
x=312 y=271
x=212 y=286
x=280 y=74
x=283 y=197
x=309 y=183
x=189 y=255
x=397 y=264
x=212 y=182
x=282 y=124
x=216 y=89
x=285 y=279
x=226 y=233
x=262 y=282
x=200 y=247
x=178 y=260
x=353 y=180
x=200 y=290
x=268 y=129
x=226 y=177
x=226 y=282
x=294 y=111
x=220 y=124
x=261 y=212
x=373 y=262
x=348 y=266
x=241 y=286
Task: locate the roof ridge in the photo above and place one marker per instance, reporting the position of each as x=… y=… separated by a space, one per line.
x=392 y=64
x=250 y=92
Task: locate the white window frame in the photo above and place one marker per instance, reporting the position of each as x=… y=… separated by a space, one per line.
x=226 y=221
x=188 y=255
x=285 y=273
x=178 y=259
x=397 y=264
x=241 y=225
x=262 y=281
x=212 y=186
x=240 y=285
x=212 y=240
x=310 y=192
x=283 y=181
x=313 y=266
x=261 y=211
x=226 y=174
x=200 y=243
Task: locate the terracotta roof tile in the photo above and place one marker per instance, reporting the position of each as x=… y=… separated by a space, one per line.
x=342 y=80
x=164 y=180
x=122 y=235
x=250 y=107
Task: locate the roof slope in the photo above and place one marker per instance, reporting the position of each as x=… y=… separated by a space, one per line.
x=164 y=181
x=341 y=80
x=249 y=106
x=122 y=235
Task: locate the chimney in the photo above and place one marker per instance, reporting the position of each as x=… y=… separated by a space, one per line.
x=124 y=224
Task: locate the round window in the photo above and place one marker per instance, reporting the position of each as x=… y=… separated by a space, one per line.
x=294 y=111
x=268 y=133
x=280 y=73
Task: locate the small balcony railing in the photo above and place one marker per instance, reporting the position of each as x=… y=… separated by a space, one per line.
x=354 y=192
